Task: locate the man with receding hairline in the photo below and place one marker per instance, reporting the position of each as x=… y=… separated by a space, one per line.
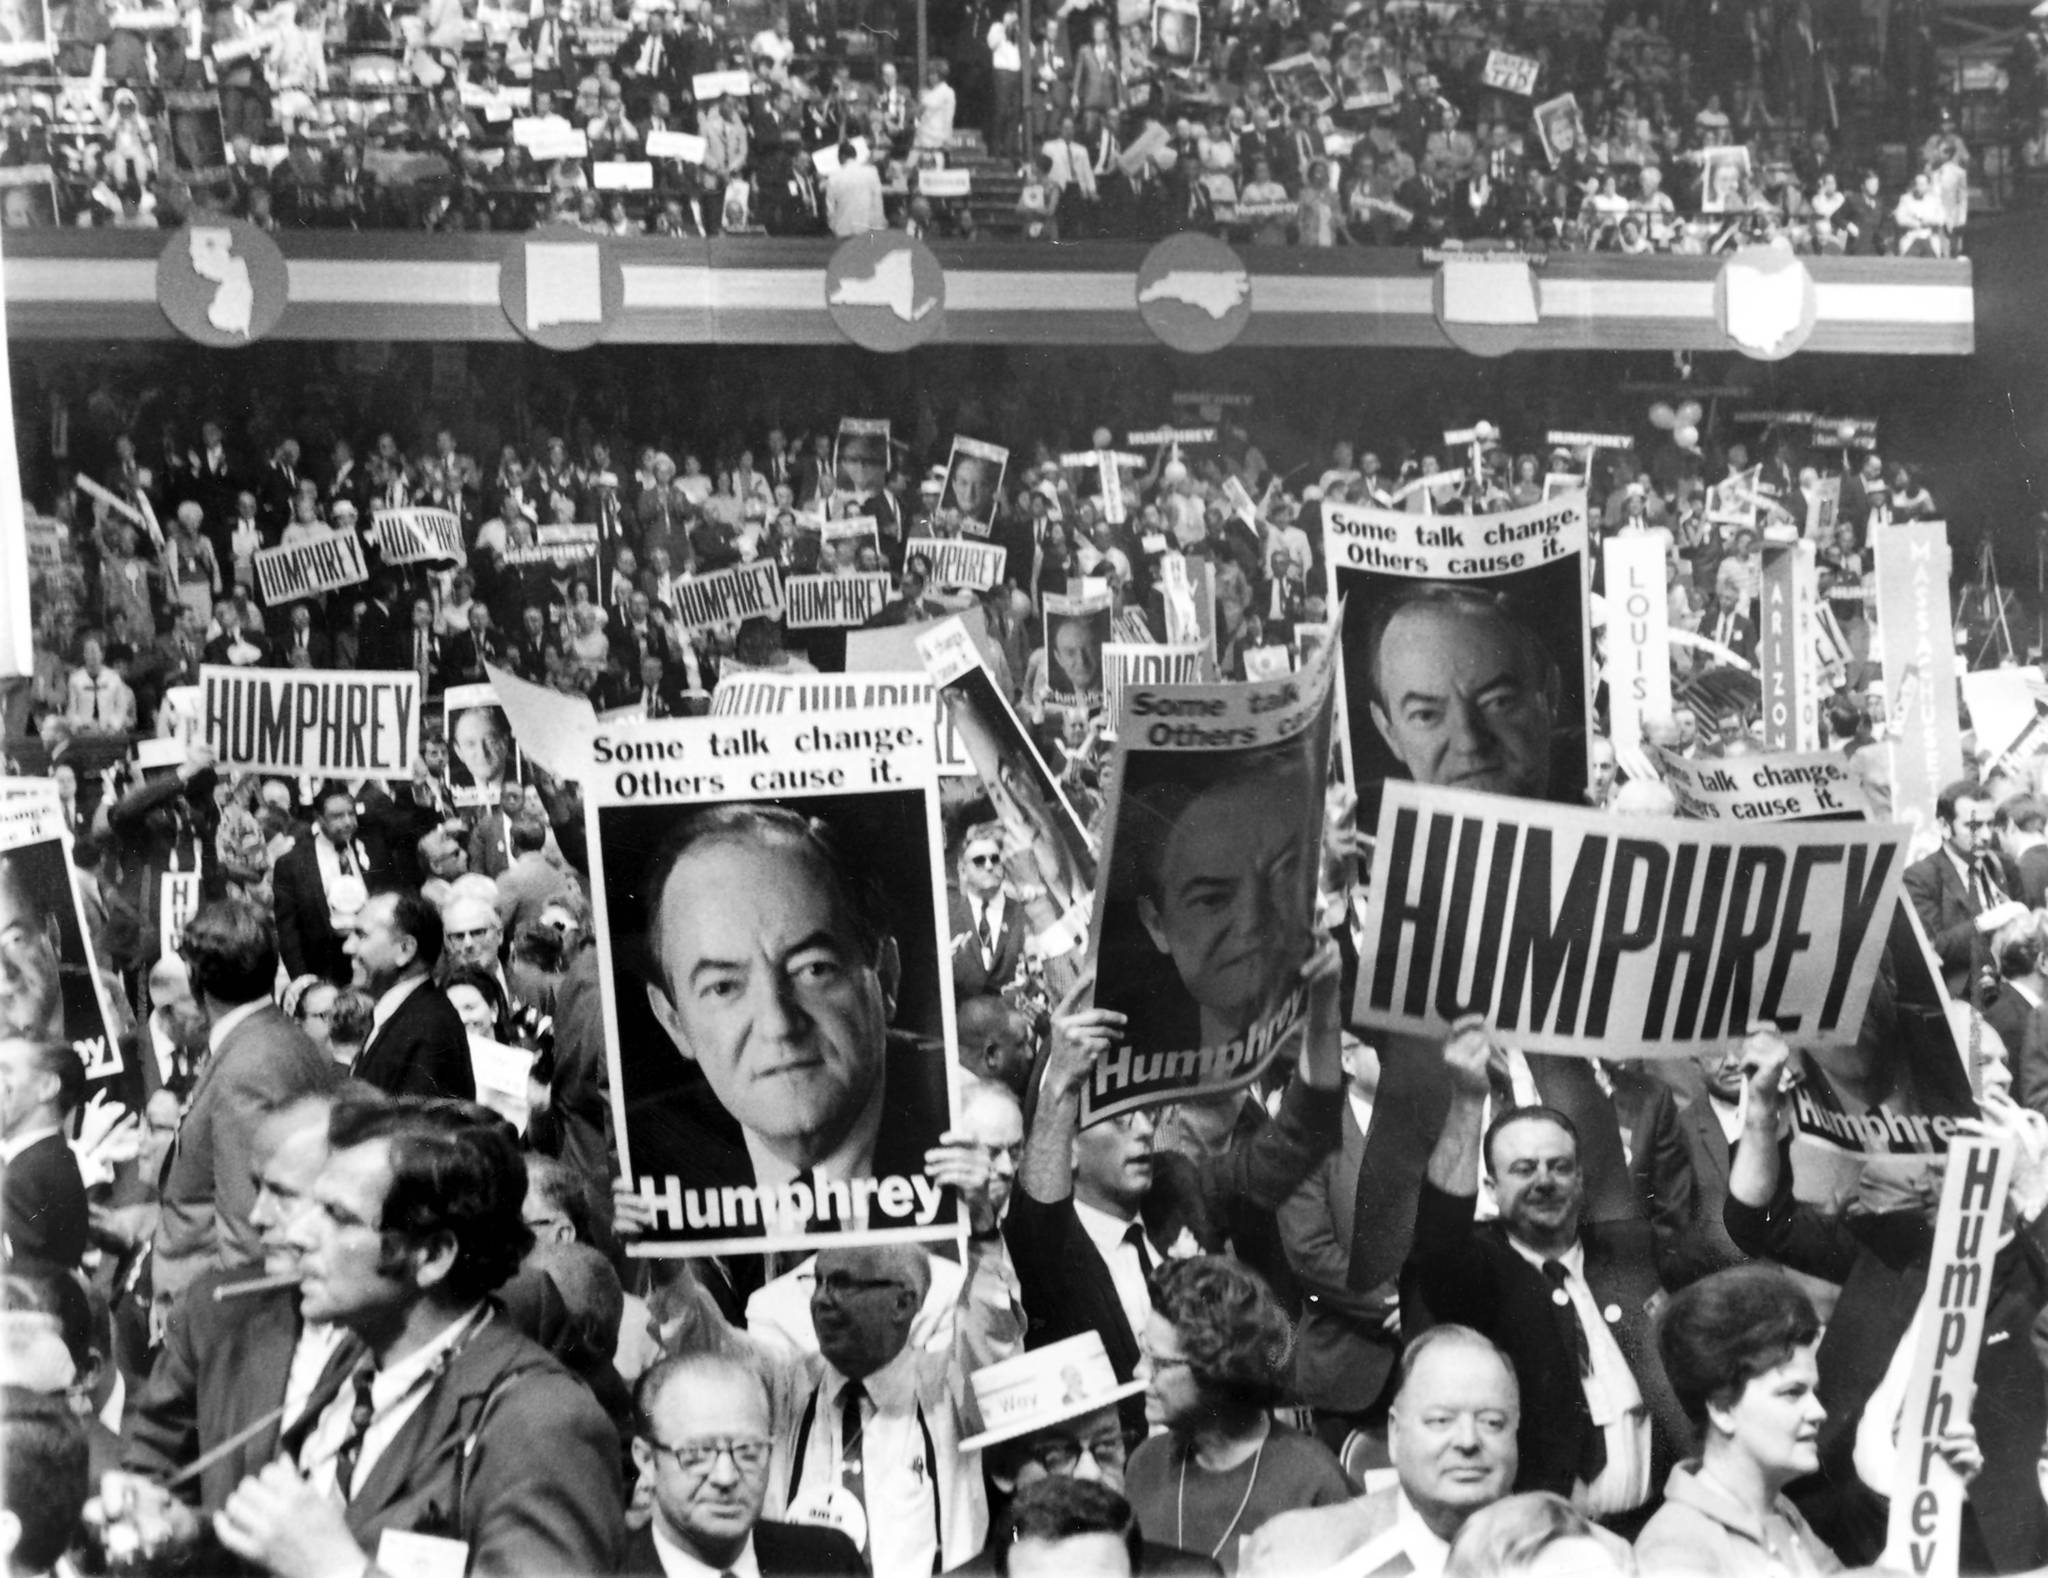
x=1464 y=695
x=774 y=971
x=1451 y=1435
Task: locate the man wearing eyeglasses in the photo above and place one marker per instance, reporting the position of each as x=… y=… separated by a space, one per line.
x=1958 y=891
x=704 y=1443
x=987 y=930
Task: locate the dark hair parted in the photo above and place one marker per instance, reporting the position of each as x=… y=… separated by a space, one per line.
x=1062 y=1508
x=1718 y=1335
x=455 y=1169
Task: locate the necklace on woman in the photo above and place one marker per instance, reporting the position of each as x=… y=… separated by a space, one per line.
x=1180 y=1501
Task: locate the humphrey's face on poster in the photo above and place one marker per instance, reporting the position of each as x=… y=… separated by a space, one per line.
x=1076 y=655
x=972 y=487
x=31 y=985
x=482 y=741
x=863 y=463
x=1225 y=885
x=775 y=977
x=1463 y=693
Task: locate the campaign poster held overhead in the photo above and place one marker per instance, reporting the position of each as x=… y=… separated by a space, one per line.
x=51 y=988
x=282 y=720
x=483 y=756
x=738 y=861
x=1467 y=649
x=1572 y=931
x=1205 y=910
x=1028 y=800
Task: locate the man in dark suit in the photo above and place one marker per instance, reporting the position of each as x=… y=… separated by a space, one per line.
x=1075 y=1228
x=1706 y=1094
x=421 y=648
x=703 y=1442
x=635 y=636
x=2016 y=951
x=325 y=866
x=986 y=927
x=1730 y=626
x=41 y=1084
x=465 y=653
x=2021 y=824
x=417 y=1045
x=1957 y=891
x=1568 y=1303
x=380 y=640
x=1348 y=1342
x=504 y=1454
x=236 y=642
x=301 y=646
x=257 y=1062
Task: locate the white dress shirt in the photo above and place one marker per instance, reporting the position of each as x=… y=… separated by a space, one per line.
x=1126 y=1269
x=395 y=1396
x=909 y=1418
x=316 y=1345
x=679 y=1563
x=1611 y=1392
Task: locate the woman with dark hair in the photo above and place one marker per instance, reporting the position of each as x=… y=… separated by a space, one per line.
x=480 y=1002
x=1739 y=1348
x=1214 y=1360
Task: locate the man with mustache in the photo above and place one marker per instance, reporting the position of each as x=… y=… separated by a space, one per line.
x=1567 y=1301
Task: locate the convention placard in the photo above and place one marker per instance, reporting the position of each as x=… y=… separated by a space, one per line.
x=1076 y=631
x=776 y=990
x=1764 y=787
x=1127 y=663
x=1918 y=654
x=1467 y=658
x=364 y=724
x=1205 y=908
x=1571 y=931
x=974 y=482
x=956 y=562
x=746 y=591
x=483 y=755
x=814 y=602
x=307 y=569
x=418 y=536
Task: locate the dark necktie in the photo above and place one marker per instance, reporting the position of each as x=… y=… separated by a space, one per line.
x=1593 y=1456
x=981 y=930
x=95 y=701
x=852 y=1468
x=1980 y=881
x=1134 y=1235
x=346 y=859
x=359 y=1419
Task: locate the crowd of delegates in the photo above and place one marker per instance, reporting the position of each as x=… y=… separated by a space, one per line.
x=1653 y=127
x=316 y=1297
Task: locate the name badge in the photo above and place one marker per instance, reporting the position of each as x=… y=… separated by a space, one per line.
x=837 y=1508
x=403 y=1554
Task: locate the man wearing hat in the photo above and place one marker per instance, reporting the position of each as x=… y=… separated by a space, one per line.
x=1052 y=1414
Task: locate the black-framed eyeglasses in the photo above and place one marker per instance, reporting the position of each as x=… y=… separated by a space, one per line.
x=749 y=1453
x=1062 y=1454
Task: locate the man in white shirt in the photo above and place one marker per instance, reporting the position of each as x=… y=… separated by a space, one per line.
x=875 y=1450
x=100 y=700
x=935 y=108
x=1006 y=61
x=853 y=196
x=1451 y=1435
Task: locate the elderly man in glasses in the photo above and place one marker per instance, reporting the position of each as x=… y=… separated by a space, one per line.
x=704 y=1446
